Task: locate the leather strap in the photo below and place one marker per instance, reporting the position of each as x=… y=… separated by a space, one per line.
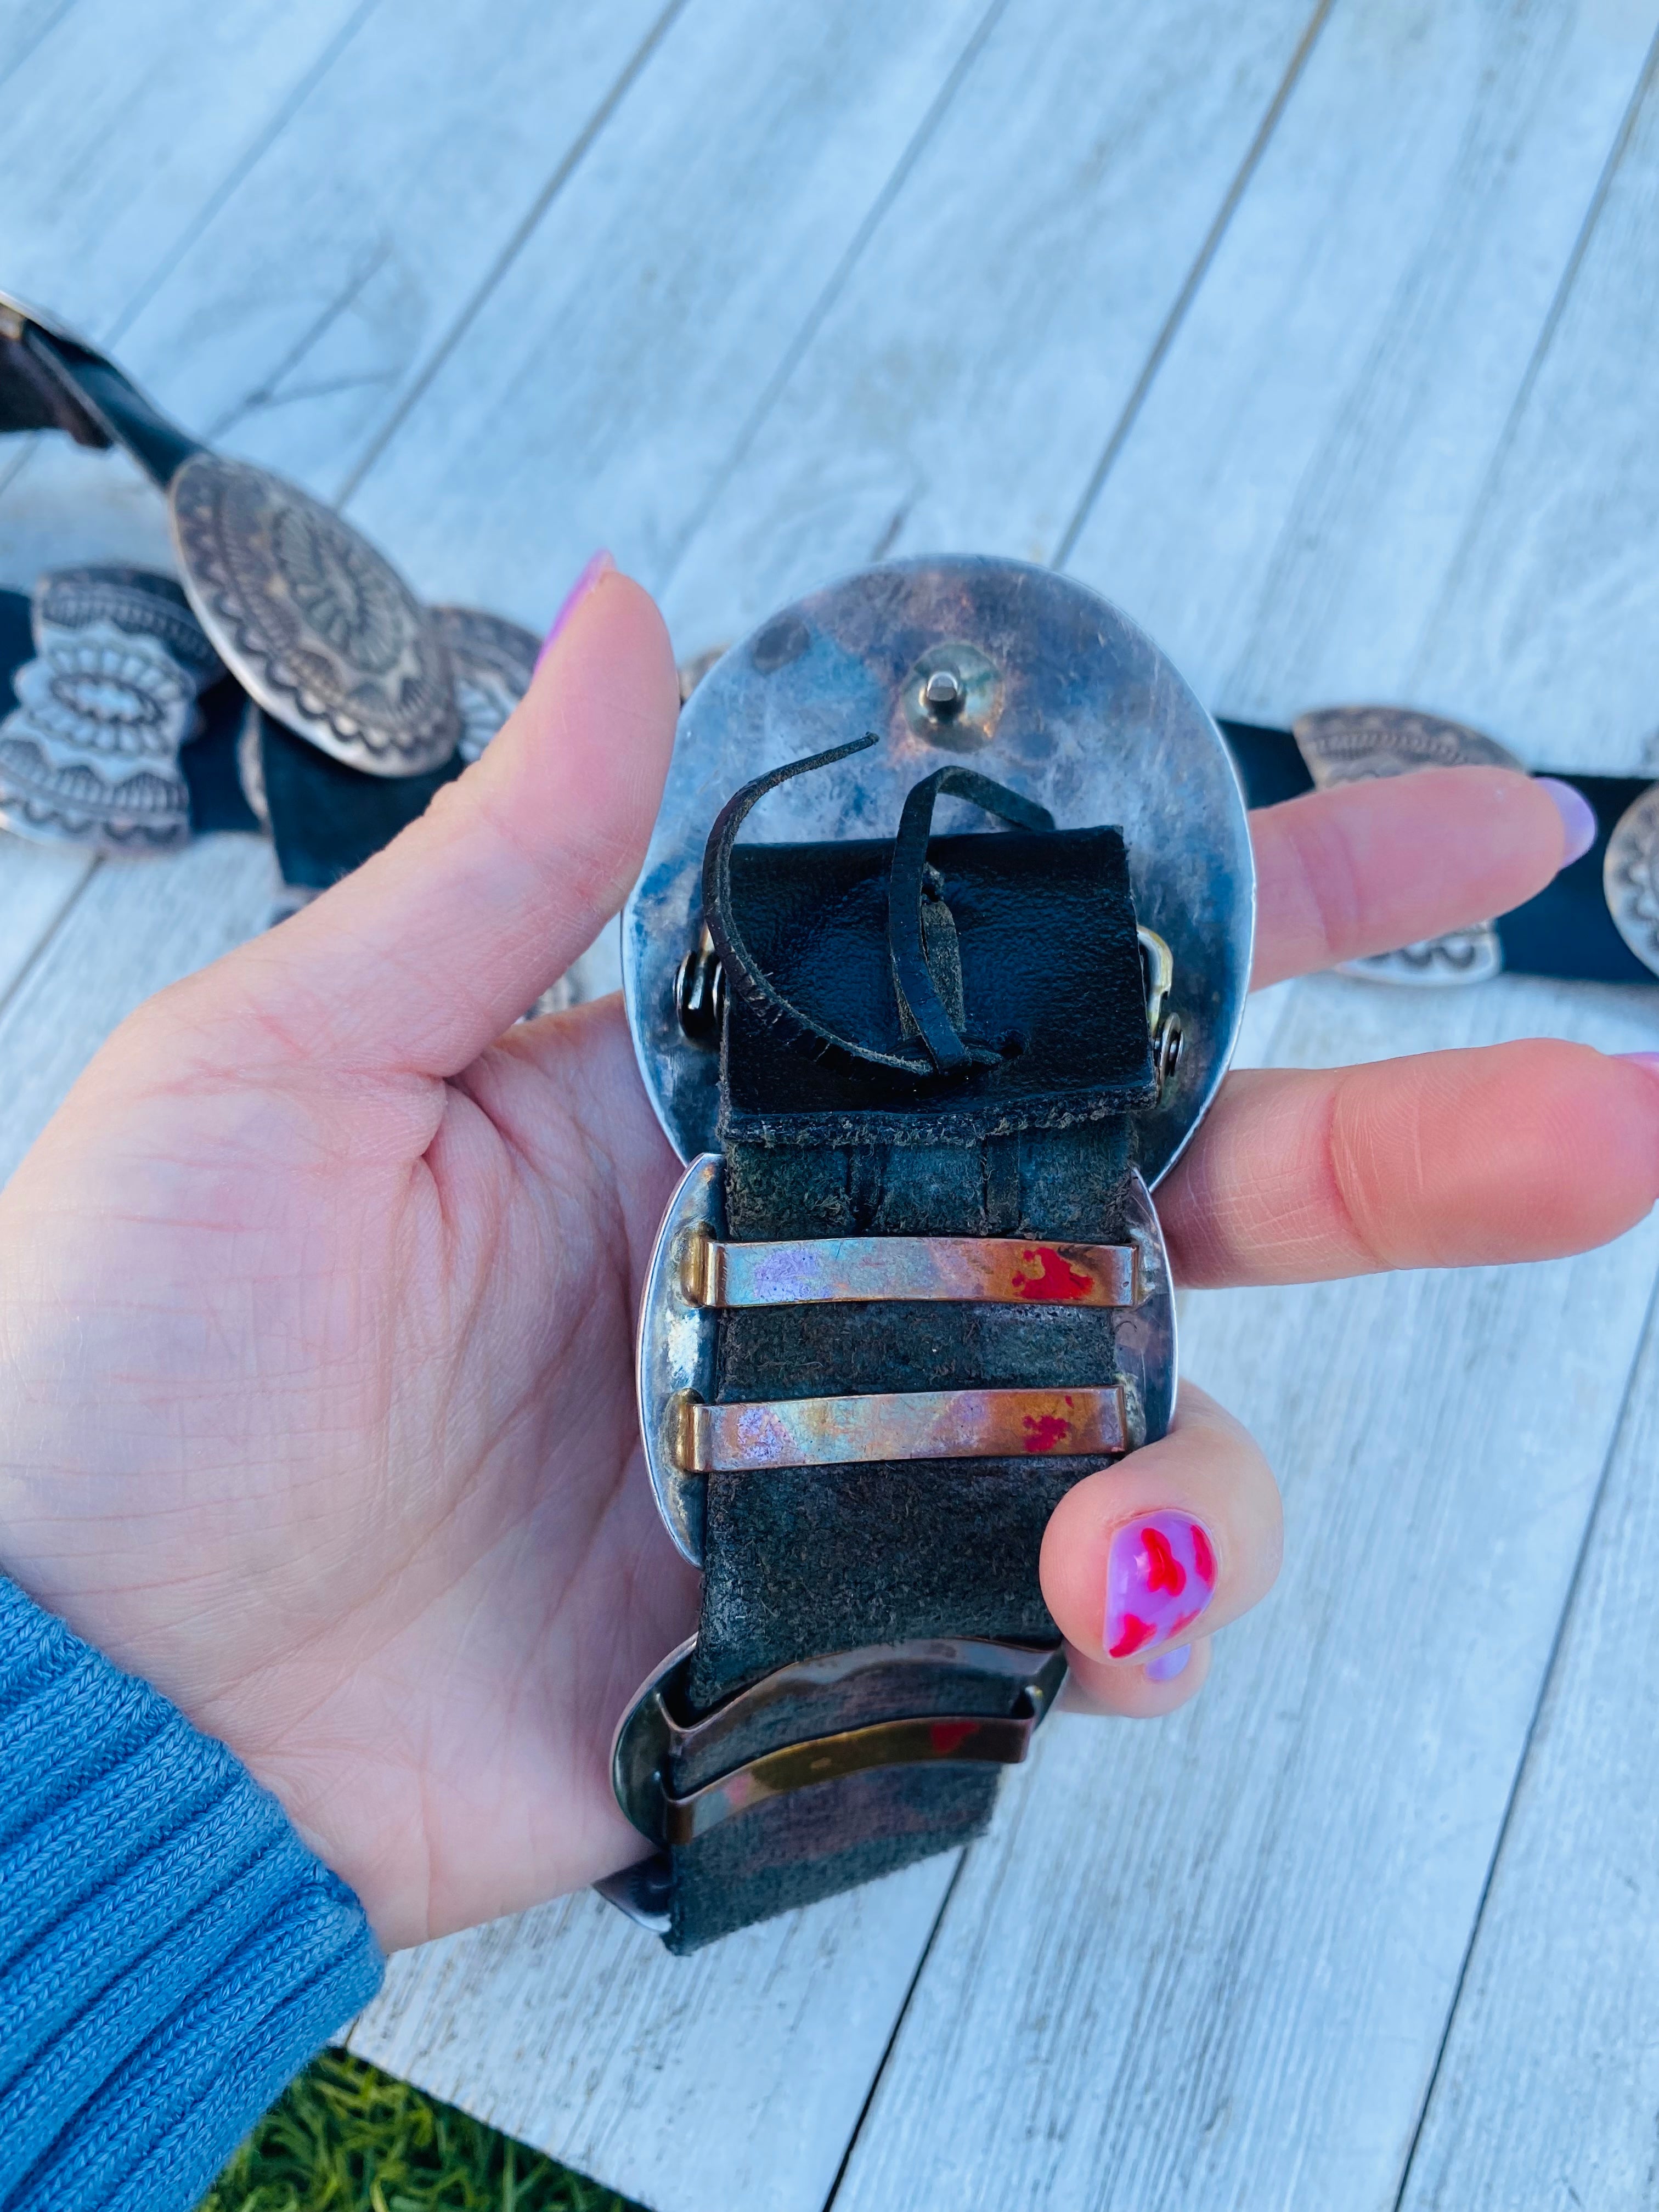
x=1030 y=1142
x=1566 y=932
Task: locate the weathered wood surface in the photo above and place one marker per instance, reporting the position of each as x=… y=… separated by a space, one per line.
x=1545 y=2095
x=733 y=2078
x=1318 y=335
x=957 y=390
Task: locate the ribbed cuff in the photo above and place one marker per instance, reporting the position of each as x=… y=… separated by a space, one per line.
x=171 y=1955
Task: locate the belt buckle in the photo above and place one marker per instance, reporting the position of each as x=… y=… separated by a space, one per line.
x=1030 y=677
x=1045 y=688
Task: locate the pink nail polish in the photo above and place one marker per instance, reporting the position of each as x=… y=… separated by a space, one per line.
x=1160 y=1575
x=1648 y=1059
x=1577 y=816
x=600 y=565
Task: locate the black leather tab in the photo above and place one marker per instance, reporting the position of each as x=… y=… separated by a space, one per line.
x=1050 y=978
x=326 y=818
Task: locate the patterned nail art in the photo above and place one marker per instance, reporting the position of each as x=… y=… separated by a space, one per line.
x=1159 y=1578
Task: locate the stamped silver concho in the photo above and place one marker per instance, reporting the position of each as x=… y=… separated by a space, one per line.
x=492 y=661
x=89 y=756
x=1356 y=744
x=1630 y=878
x=312 y=620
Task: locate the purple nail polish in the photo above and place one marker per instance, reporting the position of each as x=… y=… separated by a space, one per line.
x=1160 y=1575
x=1577 y=816
x=1168 y=1664
x=1648 y=1059
x=600 y=565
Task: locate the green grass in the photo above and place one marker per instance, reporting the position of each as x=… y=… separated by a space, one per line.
x=348 y=2138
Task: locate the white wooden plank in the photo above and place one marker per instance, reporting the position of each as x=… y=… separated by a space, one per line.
x=1284 y=513
x=1549 y=2083
x=312 y=301
x=1546 y=2089
x=136 y=927
x=36 y=882
x=1553 y=611
x=734 y=2077
x=598 y=393
x=960 y=388
x=307 y=299
x=122 y=121
x=24 y=25
x=1208 y=1962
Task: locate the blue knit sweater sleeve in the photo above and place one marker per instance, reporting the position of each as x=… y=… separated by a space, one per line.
x=170 y=1953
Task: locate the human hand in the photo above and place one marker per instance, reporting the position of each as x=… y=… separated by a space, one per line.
x=317 y=1296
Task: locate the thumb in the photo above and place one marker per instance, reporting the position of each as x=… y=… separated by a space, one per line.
x=436 y=946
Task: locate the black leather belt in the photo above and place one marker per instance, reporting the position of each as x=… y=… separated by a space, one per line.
x=1598 y=922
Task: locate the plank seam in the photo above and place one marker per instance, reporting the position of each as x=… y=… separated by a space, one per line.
x=833 y=288
x=240 y=169
x=892 y=2038
x=38 y=953
x=1478 y=506
x=1564 y=1620
x=1195 y=276
x=492 y=277
x=33 y=45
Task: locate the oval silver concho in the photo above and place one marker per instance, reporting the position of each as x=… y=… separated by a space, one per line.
x=492 y=661
x=1357 y=745
x=1058 y=695
x=89 y=755
x=1630 y=878
x=312 y=620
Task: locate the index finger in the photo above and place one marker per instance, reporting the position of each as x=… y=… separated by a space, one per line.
x=1368 y=867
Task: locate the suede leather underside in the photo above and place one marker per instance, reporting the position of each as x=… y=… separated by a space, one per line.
x=800 y=1562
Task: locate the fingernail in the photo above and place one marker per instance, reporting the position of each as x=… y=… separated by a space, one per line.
x=1160 y=1575
x=1168 y=1664
x=1577 y=816
x=600 y=565
x=1648 y=1059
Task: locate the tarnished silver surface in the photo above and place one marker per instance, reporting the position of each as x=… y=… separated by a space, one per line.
x=677 y=1349
x=89 y=756
x=676 y=1357
x=1094 y=723
x=1144 y=1340
x=1356 y=744
x=650 y=1734
x=1353 y=744
x=314 y=621
x=992 y=1270
x=1462 y=956
x=1630 y=878
x=491 y=661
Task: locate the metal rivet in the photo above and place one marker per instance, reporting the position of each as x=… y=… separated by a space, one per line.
x=942 y=693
